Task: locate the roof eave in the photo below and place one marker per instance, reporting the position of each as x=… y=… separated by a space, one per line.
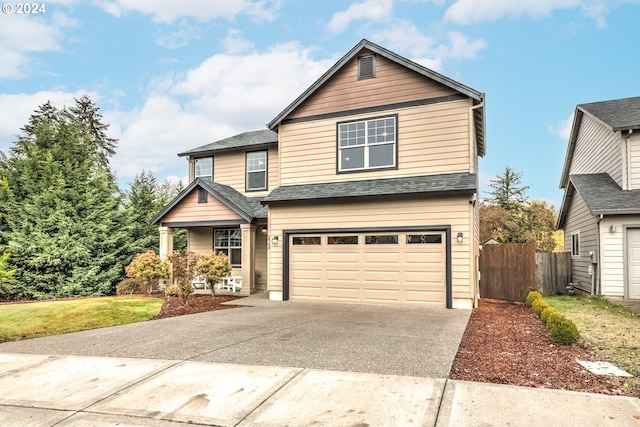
x=204 y=153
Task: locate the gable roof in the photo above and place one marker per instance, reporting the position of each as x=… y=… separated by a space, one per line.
x=253 y=139
x=431 y=184
x=617 y=114
x=248 y=208
x=478 y=97
x=601 y=194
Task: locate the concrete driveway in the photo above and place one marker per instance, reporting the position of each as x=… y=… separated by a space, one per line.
x=413 y=341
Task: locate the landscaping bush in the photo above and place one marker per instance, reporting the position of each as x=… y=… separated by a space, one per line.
x=172 y=291
x=563 y=330
x=532 y=296
x=539 y=305
x=213 y=267
x=184 y=265
x=129 y=286
x=546 y=312
x=147 y=267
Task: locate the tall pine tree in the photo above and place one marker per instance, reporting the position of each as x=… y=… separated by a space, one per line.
x=66 y=232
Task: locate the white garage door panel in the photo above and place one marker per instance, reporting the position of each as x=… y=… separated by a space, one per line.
x=633 y=242
x=363 y=272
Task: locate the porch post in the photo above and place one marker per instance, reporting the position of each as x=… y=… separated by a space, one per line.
x=166 y=241
x=248 y=258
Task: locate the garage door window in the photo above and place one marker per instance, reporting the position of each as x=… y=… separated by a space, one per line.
x=306 y=240
x=390 y=239
x=342 y=240
x=424 y=238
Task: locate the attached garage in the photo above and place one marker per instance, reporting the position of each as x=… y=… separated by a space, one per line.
x=370 y=266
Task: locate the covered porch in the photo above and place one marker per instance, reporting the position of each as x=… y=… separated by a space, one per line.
x=219 y=219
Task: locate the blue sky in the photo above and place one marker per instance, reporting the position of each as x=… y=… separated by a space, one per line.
x=173 y=75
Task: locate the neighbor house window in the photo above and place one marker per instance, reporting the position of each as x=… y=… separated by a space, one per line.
x=204 y=168
x=367 y=144
x=257 y=170
x=575 y=244
x=229 y=242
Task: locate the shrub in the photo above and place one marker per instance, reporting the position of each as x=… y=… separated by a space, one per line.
x=563 y=330
x=184 y=265
x=532 y=296
x=129 y=286
x=146 y=267
x=539 y=305
x=172 y=291
x=545 y=314
x=213 y=267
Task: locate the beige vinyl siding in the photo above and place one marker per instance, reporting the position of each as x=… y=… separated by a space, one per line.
x=432 y=139
x=200 y=240
x=634 y=161
x=393 y=83
x=261 y=258
x=598 y=150
x=425 y=212
x=613 y=255
x=580 y=220
x=230 y=169
x=190 y=210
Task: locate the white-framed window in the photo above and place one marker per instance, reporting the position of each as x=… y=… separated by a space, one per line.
x=367 y=144
x=575 y=244
x=229 y=242
x=204 y=168
x=256 y=171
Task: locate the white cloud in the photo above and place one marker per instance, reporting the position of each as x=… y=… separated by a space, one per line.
x=561 y=129
x=597 y=12
x=470 y=11
x=179 y=38
x=225 y=95
x=369 y=10
x=167 y=11
x=20 y=37
x=235 y=42
x=430 y=51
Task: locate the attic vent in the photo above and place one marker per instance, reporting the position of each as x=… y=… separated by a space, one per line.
x=366 y=67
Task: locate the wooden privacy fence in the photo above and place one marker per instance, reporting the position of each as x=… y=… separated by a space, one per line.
x=508 y=270
x=553 y=272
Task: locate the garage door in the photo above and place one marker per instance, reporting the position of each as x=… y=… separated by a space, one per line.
x=369 y=267
x=633 y=257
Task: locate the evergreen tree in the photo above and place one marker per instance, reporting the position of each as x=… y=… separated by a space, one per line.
x=507 y=190
x=66 y=232
x=141 y=205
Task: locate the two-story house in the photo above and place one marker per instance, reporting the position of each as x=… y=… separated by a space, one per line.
x=363 y=189
x=600 y=212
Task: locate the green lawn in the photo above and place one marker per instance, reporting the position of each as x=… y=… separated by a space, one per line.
x=610 y=328
x=38 y=319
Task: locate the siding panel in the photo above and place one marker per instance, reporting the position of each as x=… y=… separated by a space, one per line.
x=431 y=140
x=580 y=220
x=393 y=83
x=597 y=150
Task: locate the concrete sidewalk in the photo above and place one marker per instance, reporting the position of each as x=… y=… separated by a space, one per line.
x=46 y=390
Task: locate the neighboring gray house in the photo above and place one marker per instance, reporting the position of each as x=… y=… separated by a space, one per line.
x=600 y=212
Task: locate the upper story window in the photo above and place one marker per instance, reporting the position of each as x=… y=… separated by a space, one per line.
x=256 y=171
x=367 y=144
x=204 y=168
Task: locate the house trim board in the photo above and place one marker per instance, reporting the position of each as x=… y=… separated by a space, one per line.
x=184 y=224
x=376 y=109
x=442 y=228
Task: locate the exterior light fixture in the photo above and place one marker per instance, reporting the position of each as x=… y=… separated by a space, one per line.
x=264 y=230
x=459 y=238
x=612 y=228
x=274 y=240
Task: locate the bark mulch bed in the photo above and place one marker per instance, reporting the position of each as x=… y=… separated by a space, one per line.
x=173 y=306
x=506 y=343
